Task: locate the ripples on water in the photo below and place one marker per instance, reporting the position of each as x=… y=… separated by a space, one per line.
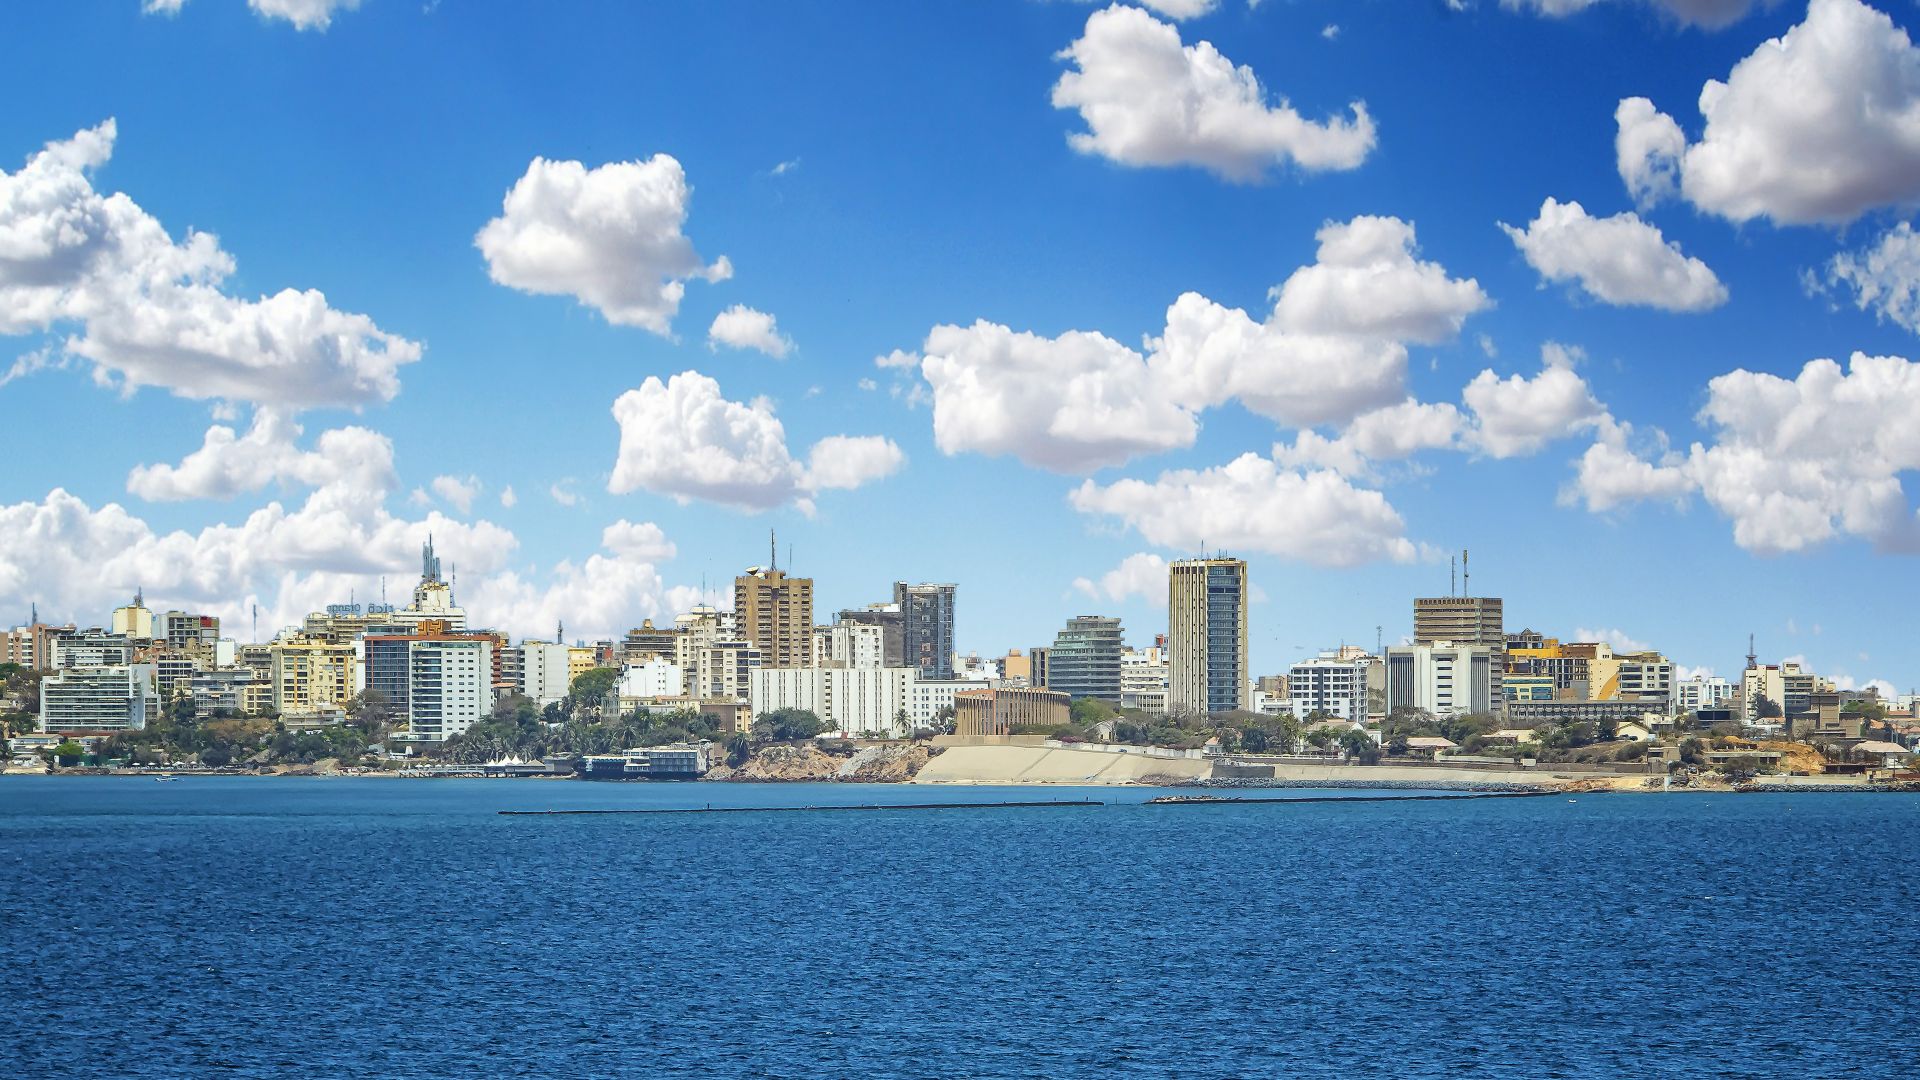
x=383 y=928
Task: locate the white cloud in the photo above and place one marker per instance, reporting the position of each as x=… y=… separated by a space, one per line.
x=644 y=541
x=1711 y=14
x=1796 y=463
x=561 y=491
x=1331 y=350
x=850 y=461
x=1885 y=277
x=1181 y=9
x=1250 y=504
x=1609 y=474
x=161 y=7
x=1819 y=125
x=741 y=327
x=1388 y=434
x=1517 y=415
x=1143 y=575
x=508 y=500
x=1620 y=260
x=1684 y=673
x=77 y=561
x=1616 y=638
x=684 y=439
x=1148 y=100
x=151 y=312
x=456 y=492
x=1070 y=403
x=1647 y=147
x=786 y=167
x=1366 y=282
x=303 y=14
x=228 y=464
x=1331 y=31
x=608 y=236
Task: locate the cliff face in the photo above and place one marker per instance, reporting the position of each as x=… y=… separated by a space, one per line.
x=806 y=762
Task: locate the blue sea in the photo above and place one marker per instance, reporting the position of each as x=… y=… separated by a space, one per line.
x=394 y=928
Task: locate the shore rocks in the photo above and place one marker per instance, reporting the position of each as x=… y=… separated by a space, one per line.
x=889 y=764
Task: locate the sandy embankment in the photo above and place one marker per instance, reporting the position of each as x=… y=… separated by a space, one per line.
x=1056 y=765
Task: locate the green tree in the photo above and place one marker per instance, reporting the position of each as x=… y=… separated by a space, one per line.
x=1359 y=746
x=787 y=725
x=739 y=747
x=68 y=753
x=589 y=690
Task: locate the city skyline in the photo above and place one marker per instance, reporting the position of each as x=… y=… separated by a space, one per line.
x=864 y=329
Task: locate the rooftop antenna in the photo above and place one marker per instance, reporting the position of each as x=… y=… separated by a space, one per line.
x=773 y=551
x=1453 y=576
x=256 y=623
x=789 y=555
x=1466 y=576
x=1379 y=642
x=383 y=590
x=1753 y=661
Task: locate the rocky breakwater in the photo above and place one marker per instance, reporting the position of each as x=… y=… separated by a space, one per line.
x=809 y=763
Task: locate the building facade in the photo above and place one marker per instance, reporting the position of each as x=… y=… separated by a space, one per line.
x=1443 y=678
x=1143 y=679
x=1462 y=620
x=1328 y=686
x=1007 y=710
x=113 y=697
x=870 y=702
x=544 y=671
x=926 y=628
x=1207 y=668
x=1085 y=659
x=775 y=613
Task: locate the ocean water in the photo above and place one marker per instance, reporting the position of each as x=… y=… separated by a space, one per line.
x=382 y=928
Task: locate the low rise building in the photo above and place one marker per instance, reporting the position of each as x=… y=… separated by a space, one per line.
x=1007 y=710
x=1442 y=678
x=856 y=701
x=1328 y=686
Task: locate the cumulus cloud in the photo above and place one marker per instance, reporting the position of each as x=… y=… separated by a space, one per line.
x=1149 y=100
x=1619 y=260
x=683 y=438
x=1389 y=434
x=1795 y=463
x=508 y=500
x=229 y=464
x=1611 y=474
x=456 y=492
x=1711 y=14
x=741 y=327
x=1518 y=415
x=609 y=236
x=1143 y=575
x=644 y=540
x=1819 y=125
x=303 y=14
x=851 y=461
x=561 y=491
x=1252 y=504
x=1181 y=9
x=151 y=312
x=1884 y=278
x=1365 y=281
x=77 y=561
x=1618 y=639
x=1331 y=350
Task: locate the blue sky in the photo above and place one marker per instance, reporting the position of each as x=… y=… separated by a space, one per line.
x=929 y=181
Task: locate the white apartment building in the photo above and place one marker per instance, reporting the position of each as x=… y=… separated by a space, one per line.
x=1442 y=678
x=1702 y=692
x=722 y=670
x=859 y=645
x=1328 y=685
x=116 y=697
x=654 y=678
x=544 y=674
x=856 y=701
x=91 y=648
x=450 y=686
x=927 y=698
x=1143 y=679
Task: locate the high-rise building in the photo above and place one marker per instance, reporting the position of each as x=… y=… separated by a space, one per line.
x=775 y=613
x=892 y=624
x=1085 y=659
x=646 y=641
x=926 y=631
x=850 y=645
x=543 y=671
x=1328 y=686
x=433 y=597
x=134 y=620
x=1443 y=679
x=312 y=676
x=1462 y=620
x=91 y=648
x=1207 y=636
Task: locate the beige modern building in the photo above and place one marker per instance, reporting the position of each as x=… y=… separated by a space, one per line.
x=775 y=613
x=1003 y=710
x=1207 y=636
x=1462 y=620
x=310 y=675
